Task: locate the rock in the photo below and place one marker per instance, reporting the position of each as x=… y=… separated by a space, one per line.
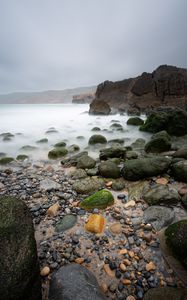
x=150 y=266
x=140 y=168
x=179 y=170
x=96 y=129
x=118 y=184
x=159 y=142
x=66 y=223
x=48 y=185
x=112 y=152
x=95 y=223
x=182 y=153
x=176 y=239
x=88 y=185
x=45 y=271
x=161 y=194
x=97 y=139
x=138 y=144
x=79 y=260
x=74 y=282
x=73 y=148
x=115 y=228
x=57 y=153
x=1 y=186
x=51 y=131
x=131 y=155
x=42 y=141
x=6 y=160
x=99 y=108
x=28 y=148
x=136 y=121
x=163 y=293
x=123 y=267
x=53 y=210
x=116 y=141
x=20 y=274
x=22 y=157
x=116 y=126
x=78 y=174
x=60 y=144
x=72 y=160
x=108 y=271
x=100 y=199
x=109 y=169
x=158 y=216
x=174 y=122
x=184 y=200
x=162 y=180
x=86 y=162
x=92 y=172
x=130 y=203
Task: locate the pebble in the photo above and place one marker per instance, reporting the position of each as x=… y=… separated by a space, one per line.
x=150 y=266
x=123 y=267
x=129 y=204
x=45 y=271
x=115 y=228
x=108 y=271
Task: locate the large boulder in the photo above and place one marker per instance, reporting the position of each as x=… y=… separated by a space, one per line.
x=57 y=153
x=100 y=199
x=112 y=152
x=159 y=216
x=174 y=122
x=179 y=170
x=73 y=160
x=86 y=162
x=159 y=142
x=109 y=169
x=99 y=108
x=140 y=168
x=136 y=121
x=19 y=268
x=176 y=239
x=164 y=293
x=74 y=282
x=161 y=194
x=97 y=139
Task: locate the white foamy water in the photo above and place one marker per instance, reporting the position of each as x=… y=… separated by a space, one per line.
x=70 y=120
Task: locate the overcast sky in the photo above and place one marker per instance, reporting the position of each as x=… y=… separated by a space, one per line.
x=56 y=44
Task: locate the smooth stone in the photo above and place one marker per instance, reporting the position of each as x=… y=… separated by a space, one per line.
x=161 y=194
x=115 y=228
x=158 y=216
x=48 y=185
x=66 y=223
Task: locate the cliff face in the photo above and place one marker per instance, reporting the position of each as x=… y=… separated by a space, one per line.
x=83 y=98
x=166 y=86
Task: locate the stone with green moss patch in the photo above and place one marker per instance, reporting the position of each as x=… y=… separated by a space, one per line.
x=97 y=139
x=6 y=160
x=42 y=141
x=22 y=157
x=176 y=239
x=136 y=121
x=60 y=144
x=28 y=148
x=57 y=153
x=100 y=199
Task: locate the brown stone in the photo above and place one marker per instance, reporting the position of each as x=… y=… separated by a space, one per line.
x=150 y=266
x=115 y=228
x=108 y=271
x=45 y=271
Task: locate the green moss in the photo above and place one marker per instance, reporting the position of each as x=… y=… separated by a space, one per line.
x=158 y=145
x=100 y=199
x=22 y=157
x=176 y=239
x=155 y=122
x=57 y=153
x=136 y=121
x=60 y=144
x=5 y=160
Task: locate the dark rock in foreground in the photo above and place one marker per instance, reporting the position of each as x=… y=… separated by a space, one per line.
x=19 y=269
x=179 y=170
x=162 y=194
x=140 y=168
x=159 y=142
x=166 y=293
x=74 y=282
x=109 y=169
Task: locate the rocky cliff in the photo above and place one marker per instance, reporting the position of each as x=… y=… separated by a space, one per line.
x=83 y=98
x=166 y=86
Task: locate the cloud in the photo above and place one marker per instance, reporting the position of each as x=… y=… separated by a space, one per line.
x=66 y=43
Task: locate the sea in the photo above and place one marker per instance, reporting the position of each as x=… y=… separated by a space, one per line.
x=30 y=123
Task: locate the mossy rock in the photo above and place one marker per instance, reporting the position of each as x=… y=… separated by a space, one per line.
x=131 y=155
x=80 y=137
x=100 y=199
x=22 y=157
x=96 y=129
x=112 y=152
x=162 y=194
x=116 y=141
x=6 y=134
x=73 y=148
x=6 y=160
x=179 y=170
x=57 y=153
x=181 y=153
x=42 y=141
x=86 y=162
x=28 y=148
x=60 y=144
x=136 y=121
x=116 y=126
x=158 y=145
x=138 y=144
x=118 y=184
x=88 y=185
x=97 y=139
x=19 y=275
x=109 y=169
x=176 y=239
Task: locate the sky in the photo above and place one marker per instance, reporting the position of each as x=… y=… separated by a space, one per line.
x=58 y=44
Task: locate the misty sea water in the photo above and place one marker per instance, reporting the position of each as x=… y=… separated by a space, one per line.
x=29 y=123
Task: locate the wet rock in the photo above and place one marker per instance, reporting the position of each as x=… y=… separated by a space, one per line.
x=118 y=184
x=95 y=223
x=159 y=142
x=112 y=152
x=22 y=157
x=42 y=141
x=86 y=162
x=45 y=271
x=138 y=144
x=179 y=170
x=97 y=139
x=109 y=169
x=131 y=155
x=28 y=148
x=79 y=174
x=161 y=194
x=176 y=239
x=74 y=282
x=73 y=148
x=100 y=199
x=92 y=172
x=57 y=153
x=66 y=223
x=20 y=274
x=184 y=200
x=159 y=216
x=6 y=160
x=88 y=185
x=96 y=129
x=48 y=185
x=136 y=121
x=116 y=126
x=163 y=293
x=115 y=228
x=182 y=153
x=53 y=210
x=145 y=167
x=60 y=144
x=72 y=160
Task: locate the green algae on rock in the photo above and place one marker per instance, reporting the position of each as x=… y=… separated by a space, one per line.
x=6 y=160
x=100 y=199
x=97 y=139
x=57 y=153
x=159 y=142
x=86 y=162
x=42 y=141
x=109 y=169
x=176 y=239
x=22 y=157
x=88 y=185
x=60 y=144
x=136 y=121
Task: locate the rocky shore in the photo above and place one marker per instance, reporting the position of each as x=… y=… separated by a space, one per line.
x=105 y=216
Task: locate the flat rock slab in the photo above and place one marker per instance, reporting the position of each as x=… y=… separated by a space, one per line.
x=158 y=216
x=74 y=282
x=48 y=185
